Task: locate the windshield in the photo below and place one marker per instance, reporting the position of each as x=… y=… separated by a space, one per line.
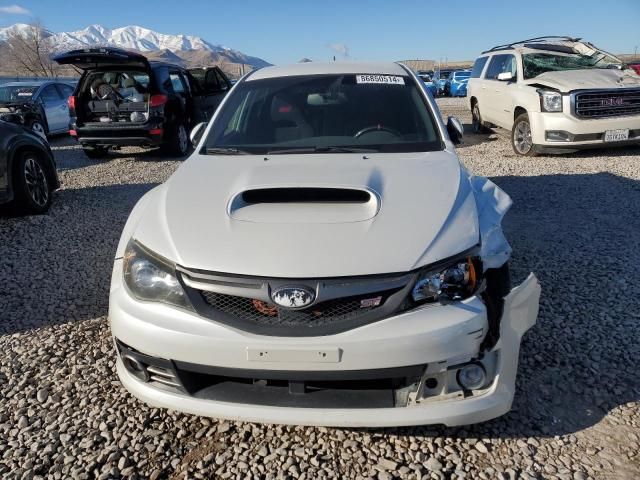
x=15 y=94
x=535 y=64
x=331 y=113
x=461 y=75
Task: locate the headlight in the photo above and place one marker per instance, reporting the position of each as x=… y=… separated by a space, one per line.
x=550 y=101
x=151 y=277
x=456 y=282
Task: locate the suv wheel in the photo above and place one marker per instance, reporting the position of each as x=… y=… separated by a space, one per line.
x=476 y=120
x=31 y=184
x=95 y=152
x=521 y=138
x=178 y=144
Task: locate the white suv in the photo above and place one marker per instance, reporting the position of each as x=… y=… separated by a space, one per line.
x=555 y=94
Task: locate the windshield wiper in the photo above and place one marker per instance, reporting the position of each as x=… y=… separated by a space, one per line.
x=226 y=151
x=329 y=149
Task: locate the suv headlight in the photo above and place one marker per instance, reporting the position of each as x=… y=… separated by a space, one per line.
x=456 y=282
x=152 y=278
x=550 y=101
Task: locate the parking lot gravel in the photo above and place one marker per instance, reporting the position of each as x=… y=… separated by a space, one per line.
x=575 y=223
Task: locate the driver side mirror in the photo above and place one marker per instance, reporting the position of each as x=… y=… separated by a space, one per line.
x=505 y=76
x=455 y=130
x=196 y=133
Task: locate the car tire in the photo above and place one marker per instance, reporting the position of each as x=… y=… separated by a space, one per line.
x=521 y=138
x=476 y=120
x=32 y=188
x=178 y=144
x=37 y=127
x=96 y=153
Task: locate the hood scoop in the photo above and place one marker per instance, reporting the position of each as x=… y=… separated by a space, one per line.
x=304 y=205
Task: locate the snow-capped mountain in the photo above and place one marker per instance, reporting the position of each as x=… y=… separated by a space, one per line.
x=136 y=38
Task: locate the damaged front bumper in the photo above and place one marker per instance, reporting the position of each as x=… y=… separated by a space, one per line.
x=180 y=361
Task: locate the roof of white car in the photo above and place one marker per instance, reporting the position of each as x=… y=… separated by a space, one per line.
x=317 y=68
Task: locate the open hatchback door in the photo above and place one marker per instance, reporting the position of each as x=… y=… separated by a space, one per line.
x=90 y=58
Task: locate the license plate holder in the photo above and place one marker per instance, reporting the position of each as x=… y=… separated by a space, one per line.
x=619 y=135
x=299 y=354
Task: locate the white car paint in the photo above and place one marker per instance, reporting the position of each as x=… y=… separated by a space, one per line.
x=425 y=207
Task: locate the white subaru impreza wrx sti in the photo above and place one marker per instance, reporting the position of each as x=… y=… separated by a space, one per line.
x=324 y=259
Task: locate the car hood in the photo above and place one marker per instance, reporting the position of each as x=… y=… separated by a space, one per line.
x=569 y=80
x=400 y=211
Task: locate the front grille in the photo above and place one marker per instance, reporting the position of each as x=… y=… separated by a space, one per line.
x=264 y=313
x=607 y=103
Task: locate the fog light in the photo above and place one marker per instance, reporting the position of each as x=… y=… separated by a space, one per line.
x=472 y=376
x=135 y=367
x=558 y=136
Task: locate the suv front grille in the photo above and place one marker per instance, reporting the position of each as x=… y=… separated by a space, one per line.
x=607 y=103
x=264 y=313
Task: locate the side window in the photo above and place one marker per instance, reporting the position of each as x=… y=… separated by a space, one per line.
x=222 y=82
x=478 y=66
x=500 y=64
x=65 y=90
x=50 y=95
x=177 y=83
x=211 y=82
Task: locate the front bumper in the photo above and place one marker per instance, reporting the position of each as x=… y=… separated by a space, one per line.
x=436 y=337
x=580 y=133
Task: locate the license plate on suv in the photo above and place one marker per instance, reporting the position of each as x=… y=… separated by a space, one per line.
x=619 y=135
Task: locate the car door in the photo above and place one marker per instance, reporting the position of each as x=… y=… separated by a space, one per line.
x=66 y=91
x=477 y=86
x=498 y=105
x=210 y=87
x=181 y=98
x=55 y=108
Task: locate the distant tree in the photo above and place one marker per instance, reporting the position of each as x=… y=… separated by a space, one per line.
x=28 y=52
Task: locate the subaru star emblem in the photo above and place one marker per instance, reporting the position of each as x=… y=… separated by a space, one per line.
x=293 y=297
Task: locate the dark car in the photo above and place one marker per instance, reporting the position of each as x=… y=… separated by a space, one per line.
x=42 y=103
x=124 y=99
x=28 y=173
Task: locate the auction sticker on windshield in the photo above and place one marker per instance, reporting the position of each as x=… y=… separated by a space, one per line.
x=384 y=79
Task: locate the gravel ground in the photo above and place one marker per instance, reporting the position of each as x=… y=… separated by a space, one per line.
x=63 y=413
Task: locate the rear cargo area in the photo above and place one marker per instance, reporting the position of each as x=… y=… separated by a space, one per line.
x=114 y=98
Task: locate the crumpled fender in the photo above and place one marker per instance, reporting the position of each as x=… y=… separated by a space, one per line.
x=520 y=314
x=492 y=204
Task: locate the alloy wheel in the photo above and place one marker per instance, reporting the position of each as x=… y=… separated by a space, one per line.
x=522 y=138
x=183 y=140
x=36 y=182
x=475 y=119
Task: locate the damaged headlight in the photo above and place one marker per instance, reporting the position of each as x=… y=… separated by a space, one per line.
x=456 y=282
x=550 y=101
x=151 y=277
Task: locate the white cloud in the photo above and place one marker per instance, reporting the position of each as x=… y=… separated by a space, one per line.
x=339 y=48
x=15 y=10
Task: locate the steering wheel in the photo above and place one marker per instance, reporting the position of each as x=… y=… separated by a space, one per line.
x=377 y=128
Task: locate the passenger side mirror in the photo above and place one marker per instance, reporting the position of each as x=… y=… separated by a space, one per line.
x=505 y=76
x=455 y=130
x=196 y=133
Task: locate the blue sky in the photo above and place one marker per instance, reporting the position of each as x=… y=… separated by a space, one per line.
x=286 y=31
